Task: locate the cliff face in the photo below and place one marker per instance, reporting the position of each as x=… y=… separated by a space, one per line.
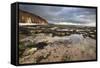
x=26 y=17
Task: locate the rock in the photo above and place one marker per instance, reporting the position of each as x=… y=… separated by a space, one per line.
x=59 y=49
x=41 y=45
x=30 y=18
x=29 y=51
x=29 y=40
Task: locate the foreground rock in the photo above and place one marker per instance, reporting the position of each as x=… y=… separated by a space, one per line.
x=67 y=48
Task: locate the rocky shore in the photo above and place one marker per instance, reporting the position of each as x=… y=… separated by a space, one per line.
x=43 y=48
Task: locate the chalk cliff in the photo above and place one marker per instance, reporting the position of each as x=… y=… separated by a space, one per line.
x=30 y=18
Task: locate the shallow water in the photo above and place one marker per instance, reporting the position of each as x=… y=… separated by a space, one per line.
x=76 y=38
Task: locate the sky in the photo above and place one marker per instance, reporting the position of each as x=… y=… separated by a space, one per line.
x=63 y=15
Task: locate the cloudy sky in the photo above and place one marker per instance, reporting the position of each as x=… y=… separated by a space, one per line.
x=63 y=15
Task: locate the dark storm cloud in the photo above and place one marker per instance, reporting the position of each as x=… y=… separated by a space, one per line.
x=62 y=14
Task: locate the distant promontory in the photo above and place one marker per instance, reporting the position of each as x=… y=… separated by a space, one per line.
x=30 y=18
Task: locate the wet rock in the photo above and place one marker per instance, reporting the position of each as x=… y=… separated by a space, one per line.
x=27 y=41
x=41 y=45
x=57 y=49
x=29 y=51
